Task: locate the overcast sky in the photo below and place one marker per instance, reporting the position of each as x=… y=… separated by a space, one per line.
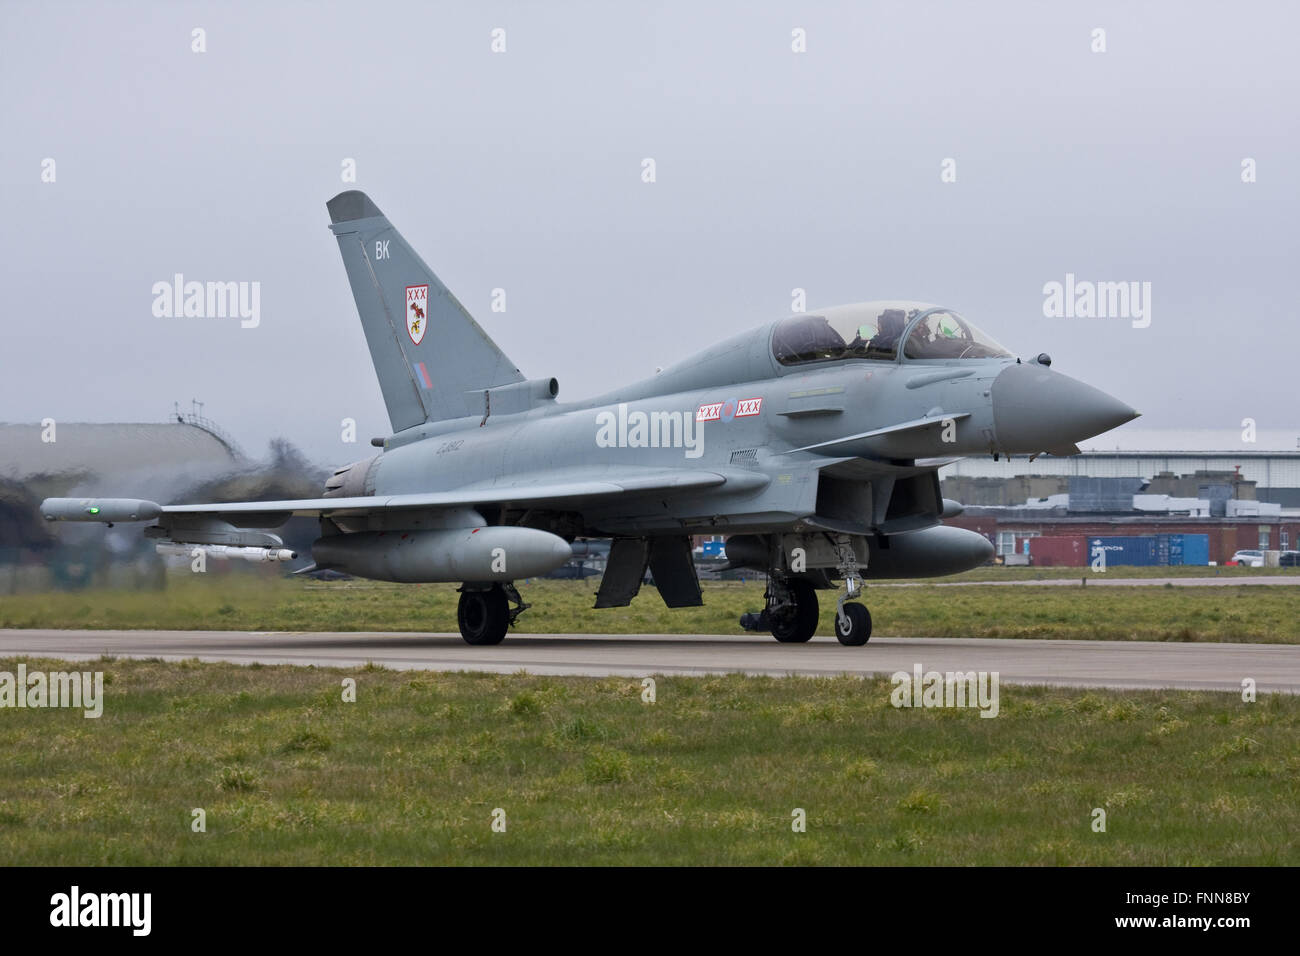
x=522 y=170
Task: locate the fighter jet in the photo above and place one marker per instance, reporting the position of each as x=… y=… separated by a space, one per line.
x=813 y=443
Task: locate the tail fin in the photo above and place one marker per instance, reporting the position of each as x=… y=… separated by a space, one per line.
x=429 y=354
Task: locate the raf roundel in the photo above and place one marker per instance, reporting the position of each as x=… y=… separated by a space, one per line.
x=417 y=308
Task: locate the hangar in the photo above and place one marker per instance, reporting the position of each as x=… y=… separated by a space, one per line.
x=101 y=458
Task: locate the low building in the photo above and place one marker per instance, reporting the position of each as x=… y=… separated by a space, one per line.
x=1240 y=500
x=1272 y=476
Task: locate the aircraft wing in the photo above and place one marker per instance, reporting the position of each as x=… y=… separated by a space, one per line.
x=554 y=489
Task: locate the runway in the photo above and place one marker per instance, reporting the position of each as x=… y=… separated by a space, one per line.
x=1087 y=579
x=1115 y=664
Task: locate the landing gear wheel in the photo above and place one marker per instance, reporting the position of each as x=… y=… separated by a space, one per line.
x=853 y=628
x=484 y=616
x=796 y=625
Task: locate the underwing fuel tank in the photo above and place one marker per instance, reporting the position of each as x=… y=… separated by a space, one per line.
x=929 y=552
x=493 y=553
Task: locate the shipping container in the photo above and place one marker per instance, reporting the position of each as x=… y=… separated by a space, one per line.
x=1196 y=549
x=1179 y=549
x=1134 y=551
x=1058 y=551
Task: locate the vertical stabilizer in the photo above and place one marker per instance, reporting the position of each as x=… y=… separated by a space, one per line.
x=427 y=351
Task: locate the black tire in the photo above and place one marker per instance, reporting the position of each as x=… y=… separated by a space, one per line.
x=483 y=616
x=800 y=626
x=858 y=632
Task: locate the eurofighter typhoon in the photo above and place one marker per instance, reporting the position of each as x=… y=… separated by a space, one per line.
x=813 y=443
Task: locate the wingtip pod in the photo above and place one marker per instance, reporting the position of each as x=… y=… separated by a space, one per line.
x=99 y=509
x=350 y=205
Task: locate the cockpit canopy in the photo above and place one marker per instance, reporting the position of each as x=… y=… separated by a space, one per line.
x=874 y=330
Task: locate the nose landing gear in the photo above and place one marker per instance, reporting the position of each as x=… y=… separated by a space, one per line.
x=853 y=625
x=852 y=621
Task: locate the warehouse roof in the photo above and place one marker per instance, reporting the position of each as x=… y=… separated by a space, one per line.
x=106 y=458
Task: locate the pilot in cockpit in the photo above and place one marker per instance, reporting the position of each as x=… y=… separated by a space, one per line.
x=889 y=331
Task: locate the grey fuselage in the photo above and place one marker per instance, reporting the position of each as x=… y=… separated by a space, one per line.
x=768 y=412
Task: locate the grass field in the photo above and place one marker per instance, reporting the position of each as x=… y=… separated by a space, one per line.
x=246 y=602
x=586 y=772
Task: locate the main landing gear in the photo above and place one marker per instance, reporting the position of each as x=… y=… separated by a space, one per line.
x=791 y=611
x=485 y=614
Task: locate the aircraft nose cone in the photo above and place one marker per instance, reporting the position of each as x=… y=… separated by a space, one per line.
x=1036 y=409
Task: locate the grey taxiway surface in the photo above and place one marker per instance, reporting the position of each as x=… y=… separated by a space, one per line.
x=1118 y=664
x=1087 y=579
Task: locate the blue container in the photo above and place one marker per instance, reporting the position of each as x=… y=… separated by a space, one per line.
x=1136 y=550
x=1179 y=549
x=1196 y=549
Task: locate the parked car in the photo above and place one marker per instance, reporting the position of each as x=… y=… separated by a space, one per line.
x=1289 y=559
x=1249 y=559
